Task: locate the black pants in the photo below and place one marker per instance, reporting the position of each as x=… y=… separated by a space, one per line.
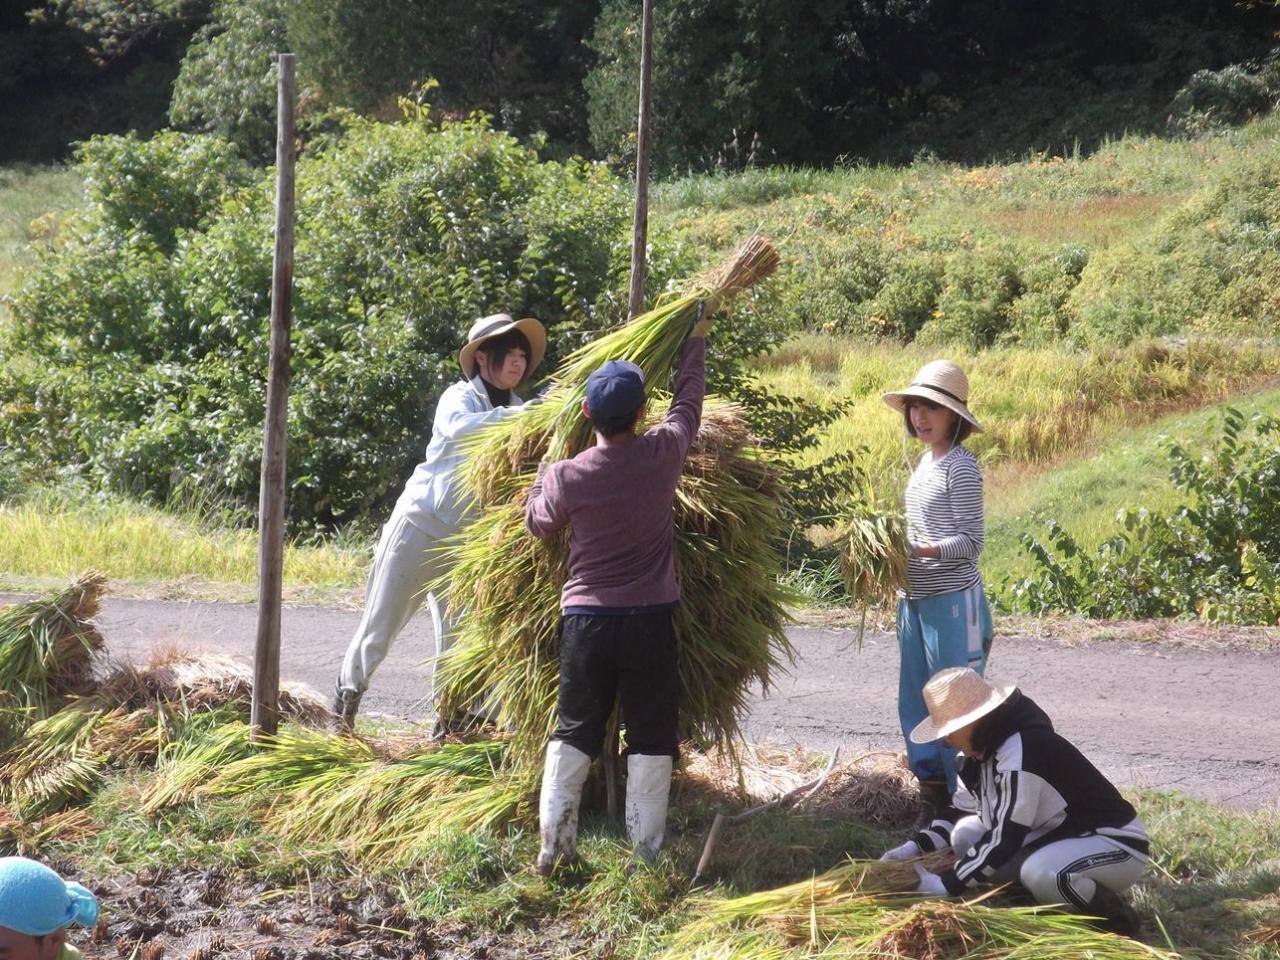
x=635 y=655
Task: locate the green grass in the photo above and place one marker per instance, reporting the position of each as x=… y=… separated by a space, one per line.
x=30 y=198
x=52 y=535
x=1131 y=469
x=1215 y=876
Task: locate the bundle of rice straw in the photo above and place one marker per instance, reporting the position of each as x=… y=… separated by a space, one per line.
x=46 y=653
x=204 y=681
x=864 y=909
x=316 y=787
x=132 y=715
x=505 y=584
x=25 y=836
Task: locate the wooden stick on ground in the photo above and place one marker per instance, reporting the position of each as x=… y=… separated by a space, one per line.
x=800 y=794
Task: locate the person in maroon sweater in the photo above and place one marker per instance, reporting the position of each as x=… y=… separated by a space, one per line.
x=617 y=636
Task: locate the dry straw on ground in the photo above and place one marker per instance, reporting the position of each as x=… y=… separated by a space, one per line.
x=877 y=787
x=859 y=910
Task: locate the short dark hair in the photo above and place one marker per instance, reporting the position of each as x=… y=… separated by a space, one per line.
x=497 y=348
x=963 y=427
x=612 y=426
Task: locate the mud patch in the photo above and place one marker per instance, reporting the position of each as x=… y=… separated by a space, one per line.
x=202 y=915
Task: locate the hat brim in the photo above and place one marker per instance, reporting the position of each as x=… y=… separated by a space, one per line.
x=534 y=332
x=926 y=731
x=898 y=400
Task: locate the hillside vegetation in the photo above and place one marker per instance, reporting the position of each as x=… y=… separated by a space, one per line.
x=1087 y=296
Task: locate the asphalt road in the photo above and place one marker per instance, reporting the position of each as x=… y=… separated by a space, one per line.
x=1199 y=721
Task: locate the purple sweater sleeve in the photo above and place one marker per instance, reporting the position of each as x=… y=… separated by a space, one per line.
x=544 y=511
x=681 y=422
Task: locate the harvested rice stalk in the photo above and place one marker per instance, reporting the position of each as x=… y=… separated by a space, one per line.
x=1268 y=933
x=873 y=554
x=879 y=927
x=947 y=929
x=25 y=837
x=321 y=788
x=46 y=651
x=194 y=756
x=853 y=880
x=831 y=918
x=505 y=584
x=64 y=758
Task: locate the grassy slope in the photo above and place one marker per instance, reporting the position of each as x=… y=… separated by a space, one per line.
x=1086 y=493
x=1043 y=406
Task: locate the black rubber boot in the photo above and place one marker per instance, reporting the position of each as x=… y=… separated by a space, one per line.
x=346 y=703
x=1113 y=913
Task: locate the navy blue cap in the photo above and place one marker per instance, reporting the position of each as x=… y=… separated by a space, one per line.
x=615 y=389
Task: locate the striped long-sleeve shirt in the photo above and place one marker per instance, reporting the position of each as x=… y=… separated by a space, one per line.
x=944 y=507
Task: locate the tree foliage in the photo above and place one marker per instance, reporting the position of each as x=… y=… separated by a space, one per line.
x=137 y=353
x=227 y=83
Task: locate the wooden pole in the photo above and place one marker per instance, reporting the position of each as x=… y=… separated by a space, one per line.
x=639 y=235
x=265 y=713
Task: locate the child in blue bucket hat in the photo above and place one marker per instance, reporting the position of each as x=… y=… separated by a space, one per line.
x=36 y=907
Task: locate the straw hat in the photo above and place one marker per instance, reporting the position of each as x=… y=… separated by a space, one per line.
x=496 y=325
x=940 y=381
x=956 y=697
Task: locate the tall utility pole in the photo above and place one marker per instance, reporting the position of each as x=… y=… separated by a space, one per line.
x=265 y=714
x=640 y=232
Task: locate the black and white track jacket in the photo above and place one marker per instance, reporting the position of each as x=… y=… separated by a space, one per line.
x=1035 y=789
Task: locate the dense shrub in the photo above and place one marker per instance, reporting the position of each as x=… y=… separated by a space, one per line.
x=227 y=82
x=1218 y=557
x=138 y=348
x=978 y=290
x=1212 y=99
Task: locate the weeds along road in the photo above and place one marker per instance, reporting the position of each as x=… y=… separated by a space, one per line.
x=1196 y=720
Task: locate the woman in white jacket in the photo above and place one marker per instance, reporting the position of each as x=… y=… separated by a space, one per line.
x=499 y=354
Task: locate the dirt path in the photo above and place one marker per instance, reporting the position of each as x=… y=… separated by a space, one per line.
x=1187 y=717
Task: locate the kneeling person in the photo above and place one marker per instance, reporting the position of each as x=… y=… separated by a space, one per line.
x=616 y=634
x=1045 y=816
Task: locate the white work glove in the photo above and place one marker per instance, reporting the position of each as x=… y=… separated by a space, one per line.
x=903 y=851
x=931 y=884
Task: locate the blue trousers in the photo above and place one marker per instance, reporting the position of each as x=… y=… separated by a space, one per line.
x=947 y=630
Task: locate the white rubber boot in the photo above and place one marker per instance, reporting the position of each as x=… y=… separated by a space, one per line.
x=562 y=777
x=648 y=786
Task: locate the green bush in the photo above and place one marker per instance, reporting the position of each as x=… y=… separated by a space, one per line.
x=1038 y=317
x=227 y=82
x=1212 y=99
x=1217 y=557
x=138 y=348
x=978 y=289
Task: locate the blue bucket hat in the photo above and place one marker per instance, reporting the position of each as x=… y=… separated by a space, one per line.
x=36 y=901
x=615 y=389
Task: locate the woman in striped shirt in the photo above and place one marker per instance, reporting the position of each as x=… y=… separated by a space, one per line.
x=943 y=617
